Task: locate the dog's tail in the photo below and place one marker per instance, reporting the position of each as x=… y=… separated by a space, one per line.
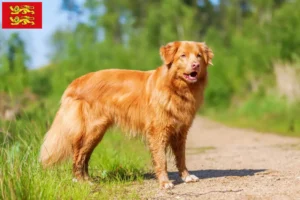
x=57 y=145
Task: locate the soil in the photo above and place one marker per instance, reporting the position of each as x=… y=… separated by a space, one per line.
x=233 y=163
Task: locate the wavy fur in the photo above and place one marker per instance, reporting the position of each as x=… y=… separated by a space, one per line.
x=160 y=104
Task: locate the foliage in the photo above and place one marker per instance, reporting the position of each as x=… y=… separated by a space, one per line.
x=247 y=38
x=14 y=61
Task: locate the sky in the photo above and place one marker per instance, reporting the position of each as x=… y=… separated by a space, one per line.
x=38 y=40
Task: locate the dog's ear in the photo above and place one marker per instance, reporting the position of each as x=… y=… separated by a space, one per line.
x=207 y=53
x=168 y=52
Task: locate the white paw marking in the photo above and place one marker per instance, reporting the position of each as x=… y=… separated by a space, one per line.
x=168 y=185
x=190 y=178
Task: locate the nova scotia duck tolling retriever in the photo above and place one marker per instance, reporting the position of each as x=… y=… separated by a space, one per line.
x=159 y=104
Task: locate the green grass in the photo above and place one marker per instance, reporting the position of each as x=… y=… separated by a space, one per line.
x=117 y=163
x=269 y=114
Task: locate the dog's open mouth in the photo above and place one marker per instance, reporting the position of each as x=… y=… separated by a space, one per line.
x=191 y=76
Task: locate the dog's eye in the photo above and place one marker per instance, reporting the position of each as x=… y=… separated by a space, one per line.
x=182 y=56
x=199 y=55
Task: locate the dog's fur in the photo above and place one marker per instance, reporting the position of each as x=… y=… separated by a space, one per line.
x=160 y=104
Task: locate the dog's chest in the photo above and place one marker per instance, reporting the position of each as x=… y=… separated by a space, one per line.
x=174 y=110
x=180 y=113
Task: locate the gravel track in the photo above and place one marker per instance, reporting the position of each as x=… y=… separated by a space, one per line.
x=234 y=163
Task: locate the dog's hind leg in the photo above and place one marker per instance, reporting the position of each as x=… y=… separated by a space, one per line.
x=90 y=143
x=94 y=134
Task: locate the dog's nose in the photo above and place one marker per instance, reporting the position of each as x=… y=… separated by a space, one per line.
x=195 y=65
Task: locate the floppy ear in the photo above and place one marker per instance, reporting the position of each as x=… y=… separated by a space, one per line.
x=168 y=52
x=207 y=54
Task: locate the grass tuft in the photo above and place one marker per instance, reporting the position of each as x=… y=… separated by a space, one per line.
x=116 y=163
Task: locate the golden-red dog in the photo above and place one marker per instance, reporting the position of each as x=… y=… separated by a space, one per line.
x=160 y=104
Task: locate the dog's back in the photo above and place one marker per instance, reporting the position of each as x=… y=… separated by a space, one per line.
x=119 y=95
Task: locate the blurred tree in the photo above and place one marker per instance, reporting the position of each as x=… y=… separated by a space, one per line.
x=278 y=3
x=14 y=61
x=285 y=28
x=71 y=6
x=16 y=54
x=206 y=14
x=243 y=34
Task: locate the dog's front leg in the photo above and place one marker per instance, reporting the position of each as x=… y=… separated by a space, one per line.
x=177 y=143
x=158 y=145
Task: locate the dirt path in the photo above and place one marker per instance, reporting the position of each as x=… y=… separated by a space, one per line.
x=234 y=164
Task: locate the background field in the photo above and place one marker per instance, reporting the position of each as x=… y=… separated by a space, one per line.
x=254 y=83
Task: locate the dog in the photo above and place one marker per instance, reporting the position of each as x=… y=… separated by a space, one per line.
x=159 y=104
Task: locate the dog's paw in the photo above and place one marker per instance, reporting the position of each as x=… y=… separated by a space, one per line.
x=190 y=178
x=166 y=185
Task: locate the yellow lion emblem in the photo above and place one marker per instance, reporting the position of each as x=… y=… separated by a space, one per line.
x=15 y=10
x=22 y=20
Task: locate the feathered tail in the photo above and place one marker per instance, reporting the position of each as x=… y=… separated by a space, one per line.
x=66 y=128
x=56 y=146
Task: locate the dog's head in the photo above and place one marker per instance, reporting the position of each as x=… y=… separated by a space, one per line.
x=187 y=60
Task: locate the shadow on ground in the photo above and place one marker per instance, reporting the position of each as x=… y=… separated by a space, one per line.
x=203 y=174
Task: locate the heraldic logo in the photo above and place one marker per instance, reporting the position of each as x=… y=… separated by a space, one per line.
x=21 y=15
